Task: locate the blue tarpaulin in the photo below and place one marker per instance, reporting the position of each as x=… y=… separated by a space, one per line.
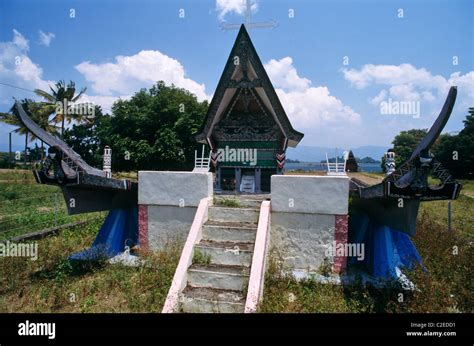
x=120 y=229
x=385 y=248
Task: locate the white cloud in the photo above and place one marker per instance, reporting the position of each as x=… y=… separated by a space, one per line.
x=127 y=74
x=284 y=75
x=45 y=38
x=406 y=82
x=312 y=109
x=379 y=98
x=223 y=7
x=20 y=41
x=16 y=68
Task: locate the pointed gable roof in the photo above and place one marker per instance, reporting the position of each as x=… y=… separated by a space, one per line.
x=245 y=70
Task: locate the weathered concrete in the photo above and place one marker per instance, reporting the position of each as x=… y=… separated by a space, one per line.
x=310 y=194
x=180 y=276
x=226 y=233
x=167 y=204
x=168 y=224
x=232 y=254
x=303 y=223
x=183 y=189
x=206 y=300
x=341 y=237
x=218 y=277
x=233 y=214
x=301 y=240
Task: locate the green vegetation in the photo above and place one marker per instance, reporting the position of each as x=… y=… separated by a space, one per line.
x=227 y=202
x=60 y=93
x=152 y=130
x=445 y=286
x=200 y=258
x=26 y=206
x=46 y=115
x=53 y=284
x=455 y=152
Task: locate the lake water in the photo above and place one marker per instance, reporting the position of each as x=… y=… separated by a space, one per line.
x=316 y=166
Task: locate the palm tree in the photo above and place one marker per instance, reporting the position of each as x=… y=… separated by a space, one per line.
x=38 y=112
x=58 y=95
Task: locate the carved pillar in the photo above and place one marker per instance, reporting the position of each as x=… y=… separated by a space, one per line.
x=107 y=162
x=389 y=162
x=238 y=178
x=218 y=178
x=258 y=180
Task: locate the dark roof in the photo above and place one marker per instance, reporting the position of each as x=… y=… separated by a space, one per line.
x=243 y=47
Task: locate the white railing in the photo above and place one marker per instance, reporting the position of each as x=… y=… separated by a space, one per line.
x=260 y=253
x=202 y=163
x=180 y=276
x=336 y=168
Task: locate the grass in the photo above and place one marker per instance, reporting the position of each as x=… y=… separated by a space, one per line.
x=26 y=206
x=201 y=258
x=21 y=175
x=447 y=286
x=227 y=202
x=53 y=284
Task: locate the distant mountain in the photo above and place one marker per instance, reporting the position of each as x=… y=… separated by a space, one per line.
x=316 y=154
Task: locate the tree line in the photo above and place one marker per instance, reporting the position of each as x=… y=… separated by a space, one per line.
x=454 y=151
x=153 y=130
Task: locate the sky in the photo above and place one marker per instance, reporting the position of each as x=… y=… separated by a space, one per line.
x=340 y=68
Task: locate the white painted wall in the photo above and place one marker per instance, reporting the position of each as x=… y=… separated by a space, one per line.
x=304 y=210
x=172 y=199
x=310 y=194
x=182 y=189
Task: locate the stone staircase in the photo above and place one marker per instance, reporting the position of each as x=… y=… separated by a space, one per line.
x=219 y=275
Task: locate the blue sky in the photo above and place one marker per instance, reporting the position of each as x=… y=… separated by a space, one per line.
x=117 y=47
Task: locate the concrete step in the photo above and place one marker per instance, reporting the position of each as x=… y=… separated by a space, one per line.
x=251 y=203
x=229 y=231
x=207 y=300
x=217 y=276
x=226 y=253
x=233 y=214
x=242 y=202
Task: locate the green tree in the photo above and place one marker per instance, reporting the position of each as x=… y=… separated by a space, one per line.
x=83 y=139
x=405 y=142
x=152 y=130
x=37 y=112
x=60 y=94
x=456 y=152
